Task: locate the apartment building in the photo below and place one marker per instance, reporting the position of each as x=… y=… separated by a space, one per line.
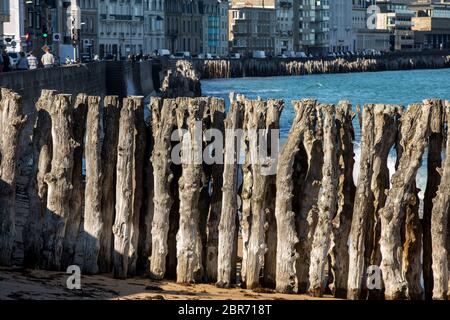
x=314 y=18
x=4 y=17
x=14 y=28
x=215 y=27
x=252 y=28
x=431 y=24
x=286 y=13
x=397 y=18
x=154 y=25
x=120 y=27
x=89 y=27
x=366 y=35
x=342 y=37
x=184 y=24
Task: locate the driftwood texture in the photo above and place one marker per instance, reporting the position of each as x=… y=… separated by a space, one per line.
x=111 y=115
x=163 y=123
x=378 y=136
x=59 y=181
x=93 y=222
x=229 y=210
x=11 y=124
x=415 y=131
x=286 y=276
x=189 y=245
x=97 y=198
x=339 y=258
x=439 y=226
x=37 y=188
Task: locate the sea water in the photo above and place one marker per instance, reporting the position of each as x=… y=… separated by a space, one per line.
x=389 y=87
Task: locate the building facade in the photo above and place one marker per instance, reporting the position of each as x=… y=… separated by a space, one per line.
x=154 y=25
x=4 y=17
x=286 y=12
x=366 y=35
x=397 y=18
x=215 y=25
x=184 y=24
x=14 y=28
x=252 y=29
x=89 y=27
x=120 y=27
x=431 y=25
x=342 y=37
x=314 y=18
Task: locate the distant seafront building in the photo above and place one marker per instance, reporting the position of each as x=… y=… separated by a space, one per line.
x=183 y=27
x=366 y=38
x=342 y=37
x=14 y=26
x=121 y=27
x=396 y=17
x=4 y=17
x=154 y=25
x=431 y=24
x=286 y=14
x=252 y=27
x=314 y=18
x=215 y=27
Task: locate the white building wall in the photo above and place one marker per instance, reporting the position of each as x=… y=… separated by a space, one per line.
x=15 y=27
x=121 y=27
x=154 y=27
x=341 y=26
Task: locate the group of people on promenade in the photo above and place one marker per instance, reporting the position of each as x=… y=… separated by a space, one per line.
x=26 y=62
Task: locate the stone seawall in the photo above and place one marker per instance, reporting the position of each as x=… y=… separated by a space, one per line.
x=213 y=69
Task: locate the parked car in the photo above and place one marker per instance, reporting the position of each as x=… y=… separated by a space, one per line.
x=301 y=54
x=234 y=55
x=14 y=58
x=281 y=56
x=182 y=55
x=85 y=57
x=258 y=54
x=163 y=52
x=205 y=56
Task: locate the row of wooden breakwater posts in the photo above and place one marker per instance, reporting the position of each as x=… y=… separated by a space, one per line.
x=211 y=69
x=303 y=229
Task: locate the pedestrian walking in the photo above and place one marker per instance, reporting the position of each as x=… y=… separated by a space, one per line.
x=32 y=61
x=6 y=61
x=22 y=64
x=48 y=60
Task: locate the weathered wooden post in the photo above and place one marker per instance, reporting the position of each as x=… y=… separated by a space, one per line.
x=189 y=246
x=414 y=140
x=306 y=219
x=439 y=224
x=111 y=115
x=122 y=227
x=346 y=197
x=274 y=109
x=286 y=276
x=378 y=135
x=59 y=181
x=261 y=166
x=163 y=124
x=11 y=124
x=37 y=188
x=93 y=222
x=227 y=225
x=72 y=252
x=434 y=161
x=217 y=115
x=138 y=173
x=327 y=203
